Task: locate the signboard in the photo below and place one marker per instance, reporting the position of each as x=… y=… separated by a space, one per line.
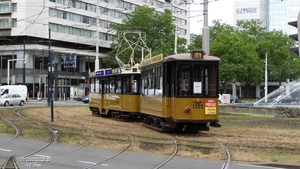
x=154 y=59
x=197 y=54
x=70 y=60
x=210 y=107
x=225 y=98
x=198 y=87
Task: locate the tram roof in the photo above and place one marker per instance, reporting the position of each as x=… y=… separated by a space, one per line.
x=187 y=56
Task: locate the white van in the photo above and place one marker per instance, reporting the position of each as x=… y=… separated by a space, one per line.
x=14 y=89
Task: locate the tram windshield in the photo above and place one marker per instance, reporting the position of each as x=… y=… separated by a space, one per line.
x=198 y=80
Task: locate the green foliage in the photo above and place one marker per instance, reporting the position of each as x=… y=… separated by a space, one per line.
x=158 y=29
x=243 y=48
x=197 y=45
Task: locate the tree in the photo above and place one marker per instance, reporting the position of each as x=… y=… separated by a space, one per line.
x=237 y=50
x=197 y=44
x=158 y=28
x=282 y=63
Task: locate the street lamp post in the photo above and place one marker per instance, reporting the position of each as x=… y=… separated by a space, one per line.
x=266 y=78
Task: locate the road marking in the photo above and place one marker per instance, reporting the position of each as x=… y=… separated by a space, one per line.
x=87 y=162
x=249 y=165
x=1 y=149
x=41 y=155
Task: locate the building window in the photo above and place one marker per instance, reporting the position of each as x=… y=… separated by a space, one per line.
x=14 y=7
x=53 y=27
x=87 y=33
x=85 y=19
x=4 y=23
x=64 y=29
x=14 y=22
x=4 y=7
x=53 y=12
x=64 y=15
x=76 y=31
x=75 y=17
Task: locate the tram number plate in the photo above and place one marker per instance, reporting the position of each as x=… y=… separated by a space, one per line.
x=197 y=106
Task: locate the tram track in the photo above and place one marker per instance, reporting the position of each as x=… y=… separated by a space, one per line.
x=84 y=144
x=17 y=130
x=54 y=137
x=54 y=134
x=176 y=150
x=228 y=157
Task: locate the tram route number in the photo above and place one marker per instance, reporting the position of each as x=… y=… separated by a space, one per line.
x=197 y=106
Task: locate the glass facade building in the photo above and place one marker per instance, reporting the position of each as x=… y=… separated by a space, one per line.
x=274 y=14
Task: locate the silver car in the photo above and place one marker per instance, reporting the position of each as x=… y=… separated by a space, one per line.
x=12 y=99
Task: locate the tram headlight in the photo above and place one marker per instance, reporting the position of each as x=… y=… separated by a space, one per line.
x=187 y=110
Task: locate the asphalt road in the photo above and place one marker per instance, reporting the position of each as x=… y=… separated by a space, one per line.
x=87 y=156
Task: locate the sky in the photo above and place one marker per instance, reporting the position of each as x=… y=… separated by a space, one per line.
x=217 y=10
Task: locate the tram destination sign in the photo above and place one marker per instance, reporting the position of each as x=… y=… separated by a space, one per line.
x=197 y=54
x=70 y=60
x=154 y=59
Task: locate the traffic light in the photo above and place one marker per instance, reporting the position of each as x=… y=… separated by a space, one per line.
x=26 y=59
x=42 y=81
x=296 y=36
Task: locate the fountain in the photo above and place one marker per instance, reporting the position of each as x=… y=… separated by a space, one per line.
x=291 y=90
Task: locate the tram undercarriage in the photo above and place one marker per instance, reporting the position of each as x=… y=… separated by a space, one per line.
x=168 y=125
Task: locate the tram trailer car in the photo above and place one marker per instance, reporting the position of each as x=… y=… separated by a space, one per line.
x=115 y=93
x=177 y=93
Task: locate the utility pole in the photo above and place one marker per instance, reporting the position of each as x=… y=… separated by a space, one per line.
x=24 y=65
x=205 y=29
x=175 y=45
x=97 y=39
x=50 y=79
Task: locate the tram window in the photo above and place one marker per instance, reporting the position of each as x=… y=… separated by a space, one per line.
x=135 y=84
x=118 y=85
x=184 y=81
x=158 y=86
x=126 y=85
x=211 y=80
x=92 y=86
x=112 y=85
x=151 y=82
x=198 y=80
x=97 y=85
x=144 y=86
x=100 y=85
x=106 y=86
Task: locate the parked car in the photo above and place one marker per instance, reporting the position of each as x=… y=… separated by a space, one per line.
x=234 y=99
x=284 y=99
x=12 y=99
x=78 y=98
x=85 y=99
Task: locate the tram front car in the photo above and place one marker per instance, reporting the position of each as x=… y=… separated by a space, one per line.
x=180 y=92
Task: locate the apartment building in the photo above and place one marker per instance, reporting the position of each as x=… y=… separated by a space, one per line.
x=69 y=33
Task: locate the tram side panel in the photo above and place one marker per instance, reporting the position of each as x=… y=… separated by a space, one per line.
x=95 y=103
x=121 y=103
x=152 y=105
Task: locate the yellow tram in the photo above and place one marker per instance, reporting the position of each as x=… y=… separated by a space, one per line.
x=174 y=93
x=115 y=92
